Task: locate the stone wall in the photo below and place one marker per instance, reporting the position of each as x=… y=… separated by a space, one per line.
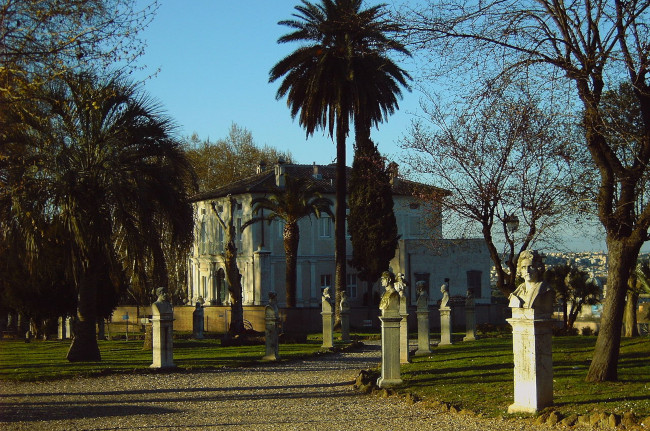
x=217 y=318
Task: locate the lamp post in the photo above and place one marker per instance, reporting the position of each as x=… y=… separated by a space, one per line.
x=512 y=223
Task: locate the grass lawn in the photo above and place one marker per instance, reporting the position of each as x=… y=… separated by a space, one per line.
x=46 y=360
x=478 y=376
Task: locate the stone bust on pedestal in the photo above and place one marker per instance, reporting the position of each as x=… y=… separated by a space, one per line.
x=534 y=292
x=444 y=289
x=390 y=294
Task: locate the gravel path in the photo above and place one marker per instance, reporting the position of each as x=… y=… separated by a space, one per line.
x=309 y=395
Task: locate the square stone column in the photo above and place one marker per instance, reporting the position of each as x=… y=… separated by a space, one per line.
x=328 y=321
x=533 y=371
x=470 y=324
x=424 y=335
x=403 y=331
x=162 y=334
x=271 y=319
x=390 y=341
x=445 y=326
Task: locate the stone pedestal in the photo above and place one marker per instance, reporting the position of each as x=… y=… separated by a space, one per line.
x=148 y=336
x=162 y=321
x=403 y=331
x=532 y=351
x=390 y=342
x=345 y=326
x=197 y=322
x=262 y=268
x=345 y=318
x=271 y=319
x=328 y=322
x=424 y=336
x=445 y=326
x=470 y=324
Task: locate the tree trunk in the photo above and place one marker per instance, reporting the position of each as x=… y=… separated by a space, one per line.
x=622 y=256
x=235 y=290
x=340 y=255
x=629 y=316
x=291 y=239
x=84 y=346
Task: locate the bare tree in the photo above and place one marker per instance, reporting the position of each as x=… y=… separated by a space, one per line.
x=591 y=46
x=508 y=167
x=40 y=40
x=233 y=276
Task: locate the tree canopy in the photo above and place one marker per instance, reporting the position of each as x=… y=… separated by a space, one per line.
x=571 y=52
x=95 y=170
x=342 y=72
x=221 y=162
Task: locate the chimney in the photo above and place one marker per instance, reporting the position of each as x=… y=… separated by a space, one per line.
x=393 y=171
x=261 y=166
x=280 y=171
x=316 y=174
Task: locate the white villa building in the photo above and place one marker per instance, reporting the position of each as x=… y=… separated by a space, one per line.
x=261 y=257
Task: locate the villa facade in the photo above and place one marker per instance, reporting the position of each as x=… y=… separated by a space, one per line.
x=422 y=253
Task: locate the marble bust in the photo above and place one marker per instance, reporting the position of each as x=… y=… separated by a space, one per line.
x=387 y=284
x=444 y=289
x=534 y=292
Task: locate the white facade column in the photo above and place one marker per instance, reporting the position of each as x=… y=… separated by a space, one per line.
x=262 y=273
x=314 y=289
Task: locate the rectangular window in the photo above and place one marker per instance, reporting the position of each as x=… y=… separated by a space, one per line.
x=325 y=281
x=325 y=227
x=347 y=232
x=238 y=228
x=474 y=282
x=414 y=226
x=351 y=285
x=280 y=225
x=203 y=238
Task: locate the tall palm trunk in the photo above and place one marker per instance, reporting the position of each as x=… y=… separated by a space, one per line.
x=291 y=239
x=340 y=255
x=84 y=344
x=622 y=260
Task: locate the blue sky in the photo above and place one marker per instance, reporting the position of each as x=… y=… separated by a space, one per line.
x=214 y=58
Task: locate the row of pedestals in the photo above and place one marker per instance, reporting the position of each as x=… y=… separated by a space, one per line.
x=532 y=350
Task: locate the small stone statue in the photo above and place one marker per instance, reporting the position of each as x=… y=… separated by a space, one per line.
x=326 y=300
x=400 y=284
x=534 y=291
x=445 y=294
x=345 y=306
x=161 y=305
x=273 y=301
x=469 y=300
x=423 y=297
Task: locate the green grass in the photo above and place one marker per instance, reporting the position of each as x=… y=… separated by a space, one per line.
x=46 y=360
x=478 y=376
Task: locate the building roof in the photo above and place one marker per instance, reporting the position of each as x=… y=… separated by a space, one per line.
x=324 y=177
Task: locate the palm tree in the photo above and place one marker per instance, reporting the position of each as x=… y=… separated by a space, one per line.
x=341 y=72
x=114 y=183
x=298 y=199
